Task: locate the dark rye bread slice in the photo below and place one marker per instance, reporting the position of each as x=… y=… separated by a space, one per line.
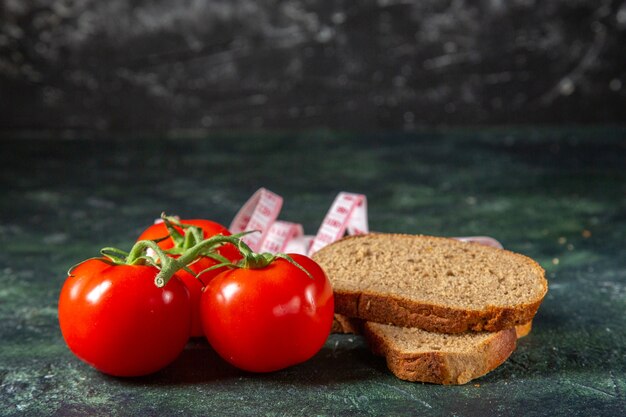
x=436 y=284
x=417 y=355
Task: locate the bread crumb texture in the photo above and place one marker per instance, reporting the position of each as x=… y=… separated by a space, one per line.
x=433 y=270
x=407 y=339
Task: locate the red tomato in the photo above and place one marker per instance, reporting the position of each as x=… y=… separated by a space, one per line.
x=266 y=319
x=116 y=319
x=195 y=289
x=229 y=251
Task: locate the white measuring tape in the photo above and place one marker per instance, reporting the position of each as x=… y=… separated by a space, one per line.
x=260 y=212
x=348 y=213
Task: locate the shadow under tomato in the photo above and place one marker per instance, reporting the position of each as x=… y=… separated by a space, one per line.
x=196 y=364
x=343 y=358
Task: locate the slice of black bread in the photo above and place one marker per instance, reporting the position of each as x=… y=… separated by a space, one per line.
x=417 y=355
x=436 y=284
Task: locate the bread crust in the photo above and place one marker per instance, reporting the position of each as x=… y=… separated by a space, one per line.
x=347 y=325
x=388 y=309
x=523 y=330
x=391 y=309
x=443 y=367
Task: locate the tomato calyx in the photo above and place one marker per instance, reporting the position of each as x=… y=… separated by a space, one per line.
x=251 y=259
x=147 y=252
x=182 y=242
x=192 y=245
x=188 y=248
x=114 y=256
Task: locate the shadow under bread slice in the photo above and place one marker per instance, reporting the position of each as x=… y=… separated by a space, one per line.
x=436 y=284
x=346 y=325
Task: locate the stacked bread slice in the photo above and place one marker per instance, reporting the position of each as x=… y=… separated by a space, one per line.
x=439 y=310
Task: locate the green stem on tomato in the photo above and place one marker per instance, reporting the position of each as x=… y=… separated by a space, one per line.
x=193 y=234
x=170 y=265
x=253 y=260
x=114 y=254
x=96 y=258
x=175 y=235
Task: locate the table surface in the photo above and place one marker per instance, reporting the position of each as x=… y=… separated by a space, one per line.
x=556 y=195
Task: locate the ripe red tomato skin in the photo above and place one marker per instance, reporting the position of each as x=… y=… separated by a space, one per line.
x=263 y=320
x=115 y=319
x=195 y=287
x=210 y=228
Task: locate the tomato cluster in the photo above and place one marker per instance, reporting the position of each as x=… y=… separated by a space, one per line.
x=195 y=285
x=260 y=312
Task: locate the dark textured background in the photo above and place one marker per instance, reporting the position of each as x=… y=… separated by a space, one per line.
x=157 y=65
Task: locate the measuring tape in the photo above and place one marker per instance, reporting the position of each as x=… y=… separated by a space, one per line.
x=347 y=214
